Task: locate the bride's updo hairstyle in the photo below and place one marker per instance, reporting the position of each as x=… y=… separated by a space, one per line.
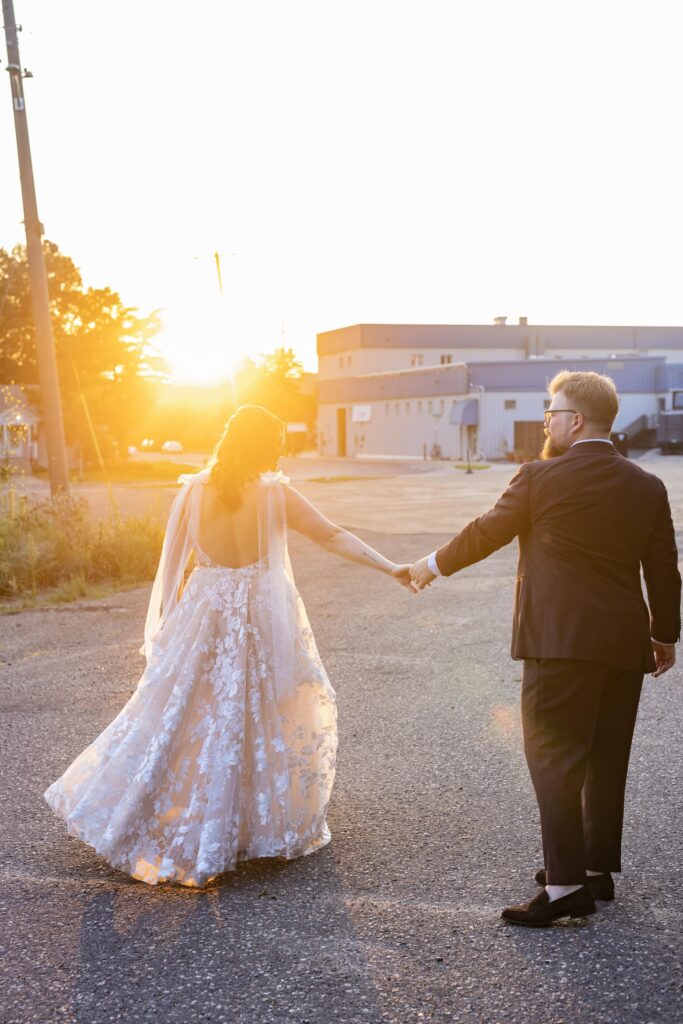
x=251 y=444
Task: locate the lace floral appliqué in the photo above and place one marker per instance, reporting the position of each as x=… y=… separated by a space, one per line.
x=204 y=766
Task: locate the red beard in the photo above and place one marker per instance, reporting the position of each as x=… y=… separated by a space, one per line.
x=551 y=450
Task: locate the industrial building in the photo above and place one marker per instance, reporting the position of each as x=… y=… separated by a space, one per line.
x=452 y=391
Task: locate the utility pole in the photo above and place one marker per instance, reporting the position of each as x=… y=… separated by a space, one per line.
x=217 y=260
x=219 y=273
x=47 y=362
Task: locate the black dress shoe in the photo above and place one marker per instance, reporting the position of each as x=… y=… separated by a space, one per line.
x=541 y=911
x=602 y=886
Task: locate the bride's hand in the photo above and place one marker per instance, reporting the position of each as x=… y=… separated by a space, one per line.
x=401 y=573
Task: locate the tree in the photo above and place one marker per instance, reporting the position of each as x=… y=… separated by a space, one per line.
x=277 y=383
x=195 y=415
x=103 y=347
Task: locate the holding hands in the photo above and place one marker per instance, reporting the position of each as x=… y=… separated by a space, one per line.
x=401 y=574
x=415 y=577
x=420 y=573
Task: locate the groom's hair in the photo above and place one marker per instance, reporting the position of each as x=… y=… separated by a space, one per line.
x=593 y=394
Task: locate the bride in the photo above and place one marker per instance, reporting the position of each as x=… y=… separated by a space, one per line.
x=226 y=749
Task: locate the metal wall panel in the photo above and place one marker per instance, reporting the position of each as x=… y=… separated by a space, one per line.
x=636 y=374
x=397 y=428
x=435 y=380
x=668 y=377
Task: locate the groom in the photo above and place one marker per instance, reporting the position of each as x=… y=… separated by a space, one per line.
x=587 y=520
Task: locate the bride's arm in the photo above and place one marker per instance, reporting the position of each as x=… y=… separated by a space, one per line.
x=306 y=519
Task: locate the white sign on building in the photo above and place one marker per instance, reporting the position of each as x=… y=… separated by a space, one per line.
x=361 y=413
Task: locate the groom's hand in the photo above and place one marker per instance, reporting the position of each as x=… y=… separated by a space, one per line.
x=421 y=574
x=665 y=657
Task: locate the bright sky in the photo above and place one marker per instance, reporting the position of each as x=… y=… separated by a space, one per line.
x=440 y=161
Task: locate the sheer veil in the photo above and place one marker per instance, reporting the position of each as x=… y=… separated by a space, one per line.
x=179 y=540
x=273 y=551
x=178 y=543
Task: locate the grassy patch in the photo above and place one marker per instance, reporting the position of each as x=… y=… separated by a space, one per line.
x=58 y=547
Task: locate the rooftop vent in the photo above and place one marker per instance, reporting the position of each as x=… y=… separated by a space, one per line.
x=523 y=321
x=500 y=321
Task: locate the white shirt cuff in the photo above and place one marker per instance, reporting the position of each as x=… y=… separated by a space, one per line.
x=433 y=567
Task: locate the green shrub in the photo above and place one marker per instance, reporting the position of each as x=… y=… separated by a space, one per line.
x=48 y=544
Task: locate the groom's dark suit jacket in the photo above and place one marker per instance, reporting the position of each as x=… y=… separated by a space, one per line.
x=586 y=522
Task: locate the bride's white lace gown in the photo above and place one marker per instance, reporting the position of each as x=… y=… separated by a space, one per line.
x=208 y=764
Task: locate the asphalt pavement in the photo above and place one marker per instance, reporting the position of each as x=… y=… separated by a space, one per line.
x=434 y=824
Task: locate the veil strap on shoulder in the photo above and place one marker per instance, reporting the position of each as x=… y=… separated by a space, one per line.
x=272 y=532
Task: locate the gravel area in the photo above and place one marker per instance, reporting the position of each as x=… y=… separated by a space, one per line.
x=434 y=829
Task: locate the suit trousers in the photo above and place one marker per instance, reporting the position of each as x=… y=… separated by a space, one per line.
x=578 y=719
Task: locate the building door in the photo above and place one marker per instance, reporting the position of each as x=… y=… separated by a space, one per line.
x=471 y=441
x=529 y=437
x=341 y=431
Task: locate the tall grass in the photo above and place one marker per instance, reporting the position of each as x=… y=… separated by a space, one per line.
x=58 y=544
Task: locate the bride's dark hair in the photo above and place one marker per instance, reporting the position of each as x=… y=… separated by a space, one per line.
x=252 y=443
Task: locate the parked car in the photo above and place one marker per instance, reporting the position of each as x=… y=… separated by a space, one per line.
x=171 y=447
x=148 y=444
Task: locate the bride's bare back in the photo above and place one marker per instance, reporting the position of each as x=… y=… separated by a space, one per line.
x=228 y=537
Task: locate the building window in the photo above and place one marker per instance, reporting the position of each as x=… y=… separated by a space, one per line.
x=419 y=408
x=510 y=403
x=398 y=408
x=429 y=408
x=661 y=404
x=387 y=408
x=445 y=360
x=341 y=362
x=677 y=400
x=416 y=360
x=546 y=404
x=407 y=408
x=348 y=360
x=442 y=406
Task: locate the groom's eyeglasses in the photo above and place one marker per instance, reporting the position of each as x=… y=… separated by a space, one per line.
x=549 y=413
